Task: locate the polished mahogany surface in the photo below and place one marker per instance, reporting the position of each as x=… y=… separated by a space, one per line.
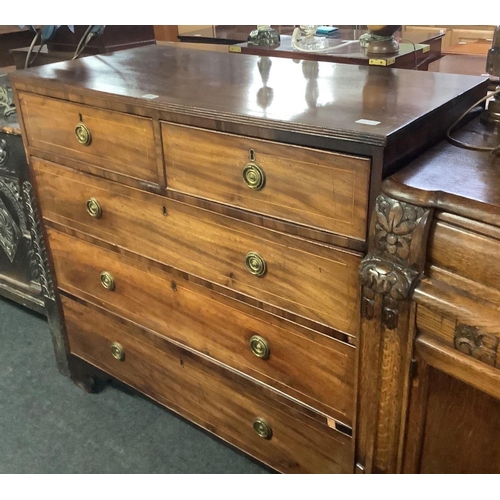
x=409 y=55
x=460 y=64
x=455 y=179
x=335 y=96
x=229 y=34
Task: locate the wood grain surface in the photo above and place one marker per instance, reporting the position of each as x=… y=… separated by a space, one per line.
x=120 y=142
x=326 y=190
x=316 y=281
x=456 y=180
x=219 y=85
x=218 y=403
x=460 y=425
x=465 y=253
x=308 y=366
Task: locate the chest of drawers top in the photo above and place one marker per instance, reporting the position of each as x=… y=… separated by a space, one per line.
x=330 y=106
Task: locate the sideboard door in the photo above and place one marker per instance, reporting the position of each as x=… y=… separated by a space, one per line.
x=453 y=427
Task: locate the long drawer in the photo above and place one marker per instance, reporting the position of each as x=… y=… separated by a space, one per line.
x=307 y=365
x=325 y=190
x=117 y=142
x=311 y=280
x=237 y=410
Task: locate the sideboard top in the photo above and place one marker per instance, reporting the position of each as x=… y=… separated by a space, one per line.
x=315 y=97
x=454 y=179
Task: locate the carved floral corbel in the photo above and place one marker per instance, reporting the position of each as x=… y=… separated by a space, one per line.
x=390 y=268
x=388 y=275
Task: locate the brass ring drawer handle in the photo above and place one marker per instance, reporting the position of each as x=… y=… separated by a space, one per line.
x=253 y=176
x=260 y=347
x=83 y=135
x=107 y=281
x=117 y=351
x=94 y=208
x=255 y=264
x=262 y=428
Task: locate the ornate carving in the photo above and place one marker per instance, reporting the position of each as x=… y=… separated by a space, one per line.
x=386 y=278
x=396 y=222
x=388 y=270
x=13 y=186
x=40 y=255
x=472 y=341
x=391 y=281
x=4 y=152
x=6 y=100
x=388 y=275
x=10 y=188
x=10 y=234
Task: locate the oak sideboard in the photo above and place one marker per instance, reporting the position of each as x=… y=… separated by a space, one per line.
x=205 y=219
x=430 y=314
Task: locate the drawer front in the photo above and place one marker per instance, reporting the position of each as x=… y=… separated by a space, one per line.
x=465 y=253
x=304 y=278
x=119 y=142
x=213 y=398
x=309 y=366
x=479 y=340
x=324 y=190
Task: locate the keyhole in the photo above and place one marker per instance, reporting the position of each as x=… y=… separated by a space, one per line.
x=251 y=155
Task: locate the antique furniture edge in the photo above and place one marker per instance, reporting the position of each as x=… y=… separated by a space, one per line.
x=471 y=352
x=388 y=275
x=169 y=111
x=172 y=106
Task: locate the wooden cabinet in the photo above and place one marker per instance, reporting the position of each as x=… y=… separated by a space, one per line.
x=205 y=249
x=435 y=315
x=21 y=271
x=461 y=39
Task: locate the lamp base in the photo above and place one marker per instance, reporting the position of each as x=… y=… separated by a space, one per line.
x=386 y=46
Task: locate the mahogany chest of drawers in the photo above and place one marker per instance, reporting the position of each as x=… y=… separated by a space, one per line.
x=205 y=230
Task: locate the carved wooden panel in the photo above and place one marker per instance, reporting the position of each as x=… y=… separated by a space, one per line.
x=461 y=429
x=472 y=341
x=388 y=275
x=19 y=274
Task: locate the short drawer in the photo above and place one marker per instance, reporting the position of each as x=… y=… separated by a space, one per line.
x=311 y=280
x=319 y=189
x=478 y=342
x=116 y=142
x=465 y=253
x=458 y=319
x=310 y=367
x=249 y=416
